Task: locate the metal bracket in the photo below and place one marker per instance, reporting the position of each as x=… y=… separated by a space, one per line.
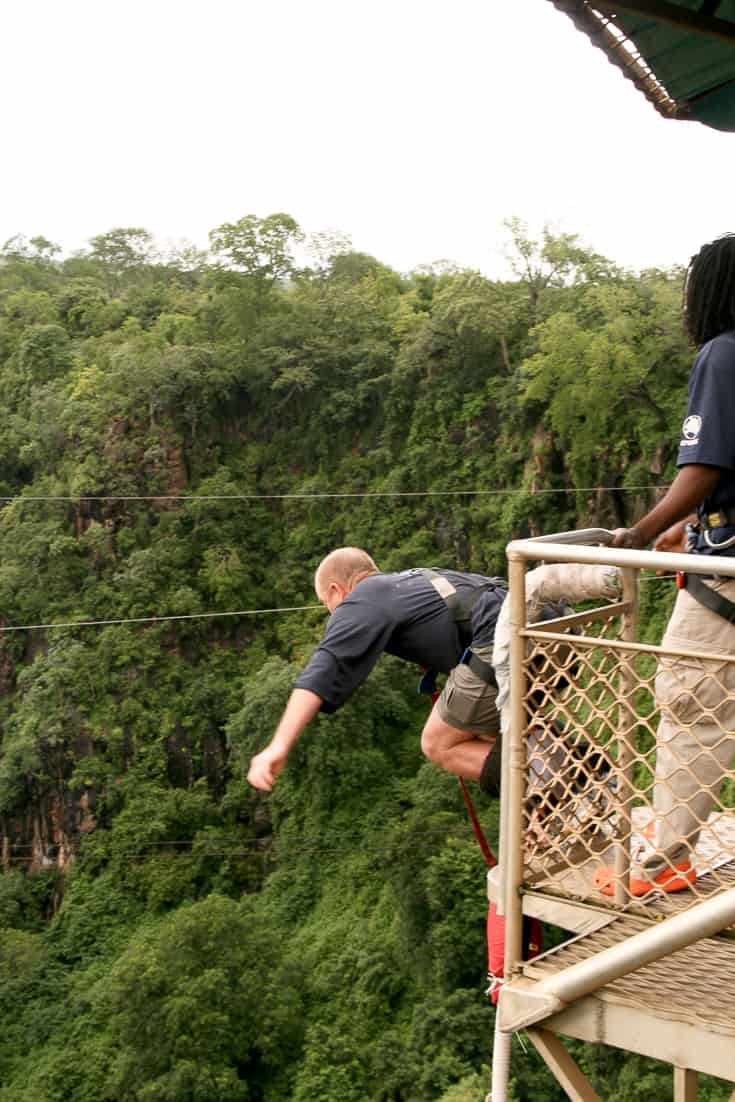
x=520 y=1007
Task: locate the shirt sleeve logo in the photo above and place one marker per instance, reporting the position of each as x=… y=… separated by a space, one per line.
x=690 y=431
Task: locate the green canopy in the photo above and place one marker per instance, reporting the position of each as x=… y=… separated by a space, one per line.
x=679 y=53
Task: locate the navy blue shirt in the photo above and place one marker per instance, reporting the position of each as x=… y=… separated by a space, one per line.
x=401 y=614
x=708 y=432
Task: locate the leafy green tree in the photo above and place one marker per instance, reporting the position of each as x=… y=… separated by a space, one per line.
x=44 y=353
x=196 y=1003
x=262 y=248
x=556 y=261
x=38 y=250
x=167 y=417
x=120 y=251
x=611 y=376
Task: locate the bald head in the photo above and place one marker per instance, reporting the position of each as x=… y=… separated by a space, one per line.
x=340 y=572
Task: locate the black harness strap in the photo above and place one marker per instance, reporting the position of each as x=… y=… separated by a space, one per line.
x=460 y=611
x=483 y=670
x=491 y=769
x=706 y=596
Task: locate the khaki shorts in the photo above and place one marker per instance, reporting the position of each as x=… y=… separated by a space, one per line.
x=467 y=702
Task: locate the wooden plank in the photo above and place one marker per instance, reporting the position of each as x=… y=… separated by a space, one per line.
x=685 y=1085
x=563 y=1067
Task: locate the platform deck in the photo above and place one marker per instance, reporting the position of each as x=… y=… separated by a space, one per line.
x=679 y=1009
x=553 y=890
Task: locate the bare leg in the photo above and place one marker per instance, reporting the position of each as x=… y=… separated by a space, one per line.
x=458 y=752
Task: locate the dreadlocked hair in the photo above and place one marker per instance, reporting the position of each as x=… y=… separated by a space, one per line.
x=709 y=290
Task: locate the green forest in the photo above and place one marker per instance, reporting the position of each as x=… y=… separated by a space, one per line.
x=184 y=435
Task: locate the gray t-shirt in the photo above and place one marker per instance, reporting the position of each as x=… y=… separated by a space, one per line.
x=402 y=614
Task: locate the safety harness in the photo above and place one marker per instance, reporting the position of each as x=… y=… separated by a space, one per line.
x=460 y=613
x=715 y=602
x=694 y=583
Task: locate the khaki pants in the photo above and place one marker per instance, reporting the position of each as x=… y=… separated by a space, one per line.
x=695 y=741
x=468 y=703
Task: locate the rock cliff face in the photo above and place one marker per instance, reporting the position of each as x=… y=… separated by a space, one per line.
x=45 y=833
x=53 y=816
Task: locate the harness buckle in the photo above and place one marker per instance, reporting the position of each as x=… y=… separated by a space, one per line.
x=681 y=579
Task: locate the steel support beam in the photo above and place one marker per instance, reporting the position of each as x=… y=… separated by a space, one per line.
x=647 y=1031
x=514 y=770
x=627 y=721
x=563 y=1067
x=519 y=1009
x=685 y=1085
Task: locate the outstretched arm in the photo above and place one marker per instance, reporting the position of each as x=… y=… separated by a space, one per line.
x=302 y=706
x=691 y=486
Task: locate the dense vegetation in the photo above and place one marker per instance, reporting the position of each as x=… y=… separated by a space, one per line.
x=169 y=422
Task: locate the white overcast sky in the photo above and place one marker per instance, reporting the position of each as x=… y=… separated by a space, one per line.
x=413 y=126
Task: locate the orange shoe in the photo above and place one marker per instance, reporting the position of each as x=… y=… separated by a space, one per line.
x=675 y=879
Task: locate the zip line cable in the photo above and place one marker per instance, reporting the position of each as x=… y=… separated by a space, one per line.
x=189 y=499
x=149 y=849
x=256 y=849
x=353 y=832
x=159 y=619
x=198 y=615
x=194 y=498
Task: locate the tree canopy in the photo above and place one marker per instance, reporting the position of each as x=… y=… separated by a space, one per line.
x=185 y=434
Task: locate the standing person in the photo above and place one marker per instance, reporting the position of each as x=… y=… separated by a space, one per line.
x=442 y=620
x=696 y=698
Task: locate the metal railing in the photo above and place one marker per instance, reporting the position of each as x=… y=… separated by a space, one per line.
x=617 y=761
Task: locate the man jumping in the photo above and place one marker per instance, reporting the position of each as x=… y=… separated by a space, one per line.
x=442 y=620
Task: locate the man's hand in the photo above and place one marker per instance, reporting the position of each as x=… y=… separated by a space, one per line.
x=692 y=485
x=265 y=767
x=675 y=537
x=628 y=537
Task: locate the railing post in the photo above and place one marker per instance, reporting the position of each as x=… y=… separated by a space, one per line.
x=626 y=722
x=685 y=1085
x=515 y=761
